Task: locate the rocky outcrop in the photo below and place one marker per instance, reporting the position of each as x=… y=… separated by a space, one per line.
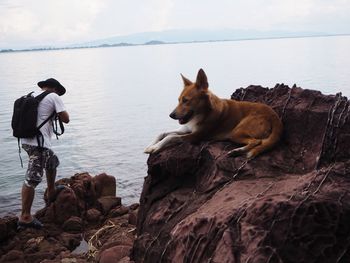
x=291 y=204
x=86 y=223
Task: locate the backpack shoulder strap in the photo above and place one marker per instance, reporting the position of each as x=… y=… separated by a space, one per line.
x=39 y=98
x=42 y=95
x=45 y=121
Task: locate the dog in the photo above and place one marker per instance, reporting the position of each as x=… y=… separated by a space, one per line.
x=204 y=116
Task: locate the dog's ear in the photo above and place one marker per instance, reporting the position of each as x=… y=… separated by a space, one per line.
x=186 y=81
x=202 y=81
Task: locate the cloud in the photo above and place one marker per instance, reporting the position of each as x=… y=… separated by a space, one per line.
x=42 y=22
x=260 y=14
x=134 y=16
x=47 y=21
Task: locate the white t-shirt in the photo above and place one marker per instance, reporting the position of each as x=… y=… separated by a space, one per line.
x=52 y=102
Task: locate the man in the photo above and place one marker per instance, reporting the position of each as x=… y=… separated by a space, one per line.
x=42 y=158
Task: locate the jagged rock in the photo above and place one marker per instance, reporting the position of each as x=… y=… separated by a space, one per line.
x=114 y=254
x=7 y=226
x=132 y=218
x=69 y=240
x=291 y=204
x=75 y=210
x=125 y=260
x=93 y=215
x=105 y=185
x=106 y=203
x=134 y=206
x=119 y=211
x=13 y=256
x=73 y=224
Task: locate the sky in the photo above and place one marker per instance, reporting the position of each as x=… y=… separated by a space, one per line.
x=31 y=23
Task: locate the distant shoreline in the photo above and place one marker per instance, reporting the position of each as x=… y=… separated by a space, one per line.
x=157 y=42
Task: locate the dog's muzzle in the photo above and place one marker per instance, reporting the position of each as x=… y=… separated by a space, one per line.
x=173 y=115
x=182 y=119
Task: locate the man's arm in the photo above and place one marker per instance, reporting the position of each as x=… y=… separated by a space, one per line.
x=64 y=116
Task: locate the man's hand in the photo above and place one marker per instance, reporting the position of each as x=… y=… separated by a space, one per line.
x=64 y=116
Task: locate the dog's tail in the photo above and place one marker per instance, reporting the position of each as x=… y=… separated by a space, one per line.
x=269 y=142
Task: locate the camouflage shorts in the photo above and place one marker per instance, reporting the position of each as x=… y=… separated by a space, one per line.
x=39 y=159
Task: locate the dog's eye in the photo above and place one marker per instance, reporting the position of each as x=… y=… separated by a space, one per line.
x=184 y=100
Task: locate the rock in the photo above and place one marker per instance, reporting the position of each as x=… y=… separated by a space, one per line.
x=105 y=185
x=118 y=211
x=65 y=206
x=73 y=224
x=291 y=204
x=106 y=203
x=83 y=186
x=132 y=218
x=74 y=206
x=134 y=206
x=125 y=260
x=120 y=241
x=93 y=215
x=32 y=245
x=8 y=226
x=69 y=260
x=14 y=256
x=114 y=254
x=69 y=240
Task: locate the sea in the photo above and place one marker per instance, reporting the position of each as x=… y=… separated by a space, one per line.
x=119 y=98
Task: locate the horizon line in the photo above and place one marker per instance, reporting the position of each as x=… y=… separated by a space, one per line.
x=160 y=42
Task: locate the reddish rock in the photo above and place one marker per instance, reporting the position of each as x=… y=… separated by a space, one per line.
x=74 y=205
x=291 y=204
x=105 y=185
x=7 y=227
x=123 y=241
x=106 y=203
x=114 y=254
x=93 y=215
x=84 y=188
x=69 y=240
x=65 y=206
x=13 y=256
x=118 y=211
x=132 y=218
x=73 y=224
x=134 y=206
x=125 y=260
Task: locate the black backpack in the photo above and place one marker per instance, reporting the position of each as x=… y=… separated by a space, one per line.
x=25 y=116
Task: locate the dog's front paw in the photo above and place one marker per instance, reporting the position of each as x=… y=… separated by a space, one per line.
x=148 y=149
x=151 y=149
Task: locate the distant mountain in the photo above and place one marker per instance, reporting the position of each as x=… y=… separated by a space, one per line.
x=175 y=36
x=178 y=36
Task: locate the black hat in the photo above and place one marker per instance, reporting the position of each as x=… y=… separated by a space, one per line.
x=52 y=83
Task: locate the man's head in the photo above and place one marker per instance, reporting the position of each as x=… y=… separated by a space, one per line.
x=52 y=84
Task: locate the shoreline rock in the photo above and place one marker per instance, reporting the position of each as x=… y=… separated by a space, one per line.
x=291 y=204
x=79 y=226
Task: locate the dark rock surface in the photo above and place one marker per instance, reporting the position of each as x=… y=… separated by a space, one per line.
x=291 y=204
x=78 y=226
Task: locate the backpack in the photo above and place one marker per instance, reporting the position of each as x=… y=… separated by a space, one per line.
x=25 y=116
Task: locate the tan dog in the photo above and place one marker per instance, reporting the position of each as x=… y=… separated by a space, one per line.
x=256 y=126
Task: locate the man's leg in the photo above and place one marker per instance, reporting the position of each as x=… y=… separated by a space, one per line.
x=51 y=170
x=32 y=179
x=27 y=201
x=50 y=179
